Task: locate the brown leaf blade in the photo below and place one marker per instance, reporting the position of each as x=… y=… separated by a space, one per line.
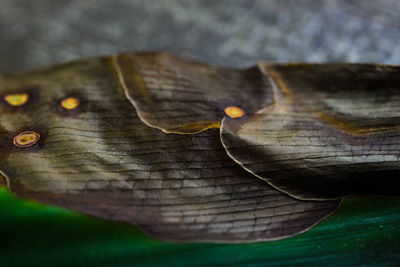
x=99 y=158
x=177 y=95
x=332 y=131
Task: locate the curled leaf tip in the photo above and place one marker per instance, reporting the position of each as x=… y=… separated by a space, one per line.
x=26 y=139
x=16 y=99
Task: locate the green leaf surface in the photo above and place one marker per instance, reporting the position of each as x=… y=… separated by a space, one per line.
x=363 y=231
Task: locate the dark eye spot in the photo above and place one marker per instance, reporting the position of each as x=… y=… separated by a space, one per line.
x=70 y=103
x=26 y=139
x=16 y=100
x=234 y=112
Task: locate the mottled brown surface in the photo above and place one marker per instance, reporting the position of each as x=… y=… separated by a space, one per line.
x=332 y=131
x=183 y=96
x=102 y=159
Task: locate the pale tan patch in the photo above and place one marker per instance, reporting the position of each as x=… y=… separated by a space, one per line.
x=348 y=127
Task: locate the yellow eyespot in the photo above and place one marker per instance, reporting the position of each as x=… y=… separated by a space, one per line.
x=26 y=139
x=70 y=103
x=234 y=112
x=16 y=99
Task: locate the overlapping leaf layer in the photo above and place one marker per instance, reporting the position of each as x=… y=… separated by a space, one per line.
x=138 y=138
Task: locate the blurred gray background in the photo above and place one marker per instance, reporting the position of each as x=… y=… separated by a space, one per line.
x=230 y=33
